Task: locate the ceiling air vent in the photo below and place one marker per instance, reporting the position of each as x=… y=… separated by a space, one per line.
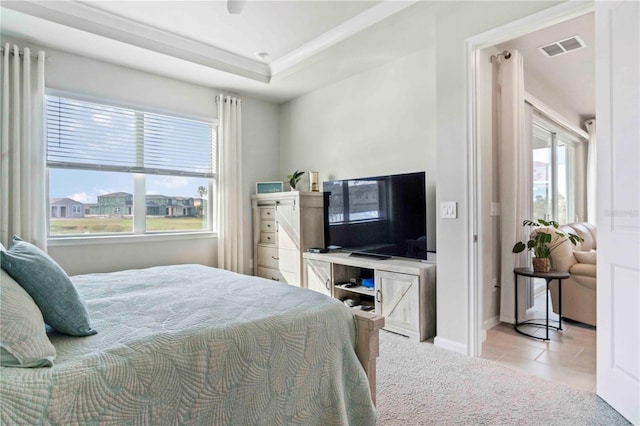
x=563 y=46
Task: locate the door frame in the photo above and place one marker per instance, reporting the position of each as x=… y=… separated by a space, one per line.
x=473 y=45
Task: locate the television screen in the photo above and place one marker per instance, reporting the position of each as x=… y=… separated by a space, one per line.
x=380 y=215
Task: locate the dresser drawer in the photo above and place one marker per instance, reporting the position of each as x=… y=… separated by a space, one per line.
x=267 y=212
x=280 y=276
x=268 y=257
x=268 y=237
x=267 y=225
x=289 y=260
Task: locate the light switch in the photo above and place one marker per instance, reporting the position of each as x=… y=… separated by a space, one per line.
x=448 y=210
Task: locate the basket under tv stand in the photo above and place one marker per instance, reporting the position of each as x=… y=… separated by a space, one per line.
x=404 y=289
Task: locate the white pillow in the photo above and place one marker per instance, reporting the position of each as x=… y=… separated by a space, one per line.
x=23 y=338
x=589 y=257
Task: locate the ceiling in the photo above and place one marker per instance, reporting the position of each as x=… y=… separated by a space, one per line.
x=570 y=75
x=304 y=44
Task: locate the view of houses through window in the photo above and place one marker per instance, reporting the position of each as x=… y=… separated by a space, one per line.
x=106 y=162
x=91 y=209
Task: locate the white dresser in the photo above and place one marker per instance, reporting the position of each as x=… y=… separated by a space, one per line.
x=285 y=224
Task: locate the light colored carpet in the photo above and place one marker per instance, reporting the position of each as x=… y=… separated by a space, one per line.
x=421 y=384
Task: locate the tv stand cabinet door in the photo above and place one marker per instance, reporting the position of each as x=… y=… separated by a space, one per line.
x=317 y=276
x=398 y=300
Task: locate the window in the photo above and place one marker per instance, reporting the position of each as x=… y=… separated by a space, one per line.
x=127 y=171
x=553 y=172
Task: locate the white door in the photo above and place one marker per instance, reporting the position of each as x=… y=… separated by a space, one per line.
x=618 y=211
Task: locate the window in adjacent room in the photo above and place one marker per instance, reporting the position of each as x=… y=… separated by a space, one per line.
x=127 y=171
x=553 y=172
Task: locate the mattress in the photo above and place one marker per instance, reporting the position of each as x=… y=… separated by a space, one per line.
x=190 y=344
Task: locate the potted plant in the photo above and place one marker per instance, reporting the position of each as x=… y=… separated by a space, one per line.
x=294 y=178
x=540 y=243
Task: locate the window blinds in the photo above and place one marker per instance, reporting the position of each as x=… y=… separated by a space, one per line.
x=91 y=136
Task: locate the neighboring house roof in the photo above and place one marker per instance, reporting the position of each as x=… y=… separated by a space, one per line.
x=116 y=194
x=61 y=201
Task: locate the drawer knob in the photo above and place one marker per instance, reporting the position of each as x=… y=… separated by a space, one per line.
x=275 y=279
x=275 y=257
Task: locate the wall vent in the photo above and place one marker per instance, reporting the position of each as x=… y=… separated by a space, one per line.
x=563 y=46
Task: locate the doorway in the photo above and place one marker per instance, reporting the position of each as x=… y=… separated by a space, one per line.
x=553 y=187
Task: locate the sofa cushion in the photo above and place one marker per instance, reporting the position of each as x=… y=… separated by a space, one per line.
x=584 y=269
x=585 y=231
x=589 y=257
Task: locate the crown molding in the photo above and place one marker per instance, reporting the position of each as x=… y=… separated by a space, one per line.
x=83 y=16
x=343 y=31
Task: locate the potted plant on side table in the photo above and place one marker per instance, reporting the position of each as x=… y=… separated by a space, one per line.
x=541 y=243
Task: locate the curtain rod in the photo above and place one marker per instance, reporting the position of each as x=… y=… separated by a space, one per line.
x=33 y=56
x=505 y=54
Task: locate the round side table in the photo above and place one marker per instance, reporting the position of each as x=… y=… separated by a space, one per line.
x=548 y=277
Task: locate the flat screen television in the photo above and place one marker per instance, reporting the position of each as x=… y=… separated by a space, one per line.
x=381 y=215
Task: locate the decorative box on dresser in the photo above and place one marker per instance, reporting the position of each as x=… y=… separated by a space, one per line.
x=285 y=224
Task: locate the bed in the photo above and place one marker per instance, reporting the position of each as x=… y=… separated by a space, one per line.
x=190 y=344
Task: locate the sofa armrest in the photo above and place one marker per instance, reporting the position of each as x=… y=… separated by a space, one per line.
x=584 y=269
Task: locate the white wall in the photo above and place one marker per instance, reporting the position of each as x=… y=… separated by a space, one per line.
x=548 y=94
x=455 y=24
x=89 y=77
x=381 y=121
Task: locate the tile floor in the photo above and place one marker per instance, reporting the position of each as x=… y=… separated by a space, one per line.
x=569 y=357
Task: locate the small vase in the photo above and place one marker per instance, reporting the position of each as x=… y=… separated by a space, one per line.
x=541 y=264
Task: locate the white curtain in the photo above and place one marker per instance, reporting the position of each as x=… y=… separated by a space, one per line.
x=591 y=171
x=514 y=143
x=23 y=203
x=230 y=194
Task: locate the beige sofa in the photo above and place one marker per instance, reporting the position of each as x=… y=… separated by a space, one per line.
x=578 y=291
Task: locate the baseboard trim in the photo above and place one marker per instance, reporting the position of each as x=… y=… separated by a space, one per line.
x=450 y=345
x=488 y=324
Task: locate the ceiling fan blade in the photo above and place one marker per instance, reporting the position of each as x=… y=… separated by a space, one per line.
x=235 y=6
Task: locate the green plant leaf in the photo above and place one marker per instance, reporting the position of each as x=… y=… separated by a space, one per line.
x=519 y=247
x=528 y=222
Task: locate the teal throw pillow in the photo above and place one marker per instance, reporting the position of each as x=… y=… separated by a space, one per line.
x=49 y=286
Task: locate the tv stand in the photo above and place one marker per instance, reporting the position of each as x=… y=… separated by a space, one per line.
x=374 y=256
x=404 y=289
